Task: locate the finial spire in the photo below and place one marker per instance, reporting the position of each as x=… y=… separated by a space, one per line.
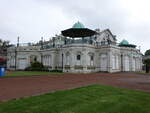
x=18 y=39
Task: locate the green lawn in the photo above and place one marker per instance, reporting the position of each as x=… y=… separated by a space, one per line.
x=91 y=99
x=29 y=73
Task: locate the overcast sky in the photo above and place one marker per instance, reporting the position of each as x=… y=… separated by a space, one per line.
x=33 y=19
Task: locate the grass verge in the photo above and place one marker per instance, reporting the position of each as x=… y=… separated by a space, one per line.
x=90 y=99
x=28 y=73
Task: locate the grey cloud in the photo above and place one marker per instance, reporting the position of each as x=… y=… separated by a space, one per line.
x=35 y=18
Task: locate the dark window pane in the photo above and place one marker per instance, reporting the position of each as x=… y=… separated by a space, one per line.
x=78 y=57
x=92 y=58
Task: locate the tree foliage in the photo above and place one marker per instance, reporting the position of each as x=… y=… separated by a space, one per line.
x=147 y=62
x=4 y=43
x=147 y=52
x=3 y=51
x=3 y=46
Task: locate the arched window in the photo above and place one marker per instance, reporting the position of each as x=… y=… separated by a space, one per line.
x=49 y=60
x=78 y=57
x=46 y=60
x=90 y=59
x=33 y=58
x=115 y=61
x=12 y=61
x=67 y=58
x=103 y=62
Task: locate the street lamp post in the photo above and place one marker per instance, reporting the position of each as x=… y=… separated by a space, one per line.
x=62 y=61
x=15 y=58
x=18 y=38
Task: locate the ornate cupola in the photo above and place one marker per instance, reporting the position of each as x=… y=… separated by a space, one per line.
x=125 y=43
x=78 y=30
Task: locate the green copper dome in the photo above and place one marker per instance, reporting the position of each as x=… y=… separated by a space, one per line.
x=124 y=42
x=78 y=25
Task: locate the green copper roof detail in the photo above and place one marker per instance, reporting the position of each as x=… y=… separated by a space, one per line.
x=78 y=25
x=124 y=42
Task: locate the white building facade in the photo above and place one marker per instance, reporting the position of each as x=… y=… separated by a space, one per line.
x=99 y=53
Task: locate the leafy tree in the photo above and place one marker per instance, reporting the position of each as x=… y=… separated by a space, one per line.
x=147 y=52
x=147 y=61
x=3 y=51
x=4 y=43
x=3 y=46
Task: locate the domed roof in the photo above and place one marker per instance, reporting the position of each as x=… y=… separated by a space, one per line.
x=78 y=25
x=124 y=42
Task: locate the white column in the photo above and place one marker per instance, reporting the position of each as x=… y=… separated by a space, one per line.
x=109 y=61
x=84 y=60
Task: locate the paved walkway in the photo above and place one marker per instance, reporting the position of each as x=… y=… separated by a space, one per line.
x=17 y=87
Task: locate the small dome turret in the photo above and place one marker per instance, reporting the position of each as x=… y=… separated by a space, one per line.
x=124 y=42
x=78 y=25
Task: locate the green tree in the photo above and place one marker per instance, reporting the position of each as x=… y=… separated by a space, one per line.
x=3 y=51
x=4 y=44
x=147 y=64
x=147 y=61
x=147 y=52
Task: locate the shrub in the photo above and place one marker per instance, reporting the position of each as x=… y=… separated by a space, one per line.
x=36 y=66
x=56 y=70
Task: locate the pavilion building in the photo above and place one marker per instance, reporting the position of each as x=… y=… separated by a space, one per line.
x=78 y=49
